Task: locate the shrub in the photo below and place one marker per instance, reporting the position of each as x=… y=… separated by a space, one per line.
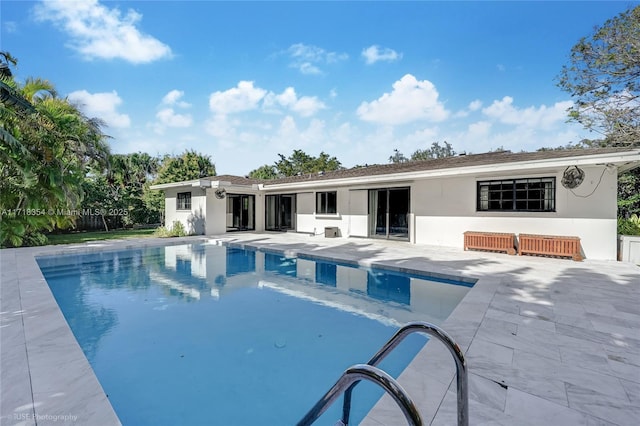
x=630 y=226
x=177 y=230
x=34 y=238
x=161 y=232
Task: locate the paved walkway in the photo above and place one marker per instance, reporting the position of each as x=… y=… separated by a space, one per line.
x=547 y=341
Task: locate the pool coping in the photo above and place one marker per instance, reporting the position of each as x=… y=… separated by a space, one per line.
x=51 y=381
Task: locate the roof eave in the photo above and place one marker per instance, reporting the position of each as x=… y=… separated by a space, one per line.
x=198 y=183
x=619 y=159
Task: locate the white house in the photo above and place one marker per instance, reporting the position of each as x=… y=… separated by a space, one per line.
x=569 y=193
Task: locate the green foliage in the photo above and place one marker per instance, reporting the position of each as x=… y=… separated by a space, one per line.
x=264 y=172
x=434 y=152
x=630 y=226
x=297 y=163
x=629 y=193
x=34 y=238
x=46 y=146
x=188 y=166
x=176 y=230
x=398 y=157
x=603 y=77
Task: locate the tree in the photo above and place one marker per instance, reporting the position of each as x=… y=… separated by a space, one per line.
x=603 y=77
x=436 y=151
x=121 y=188
x=299 y=162
x=264 y=172
x=190 y=165
x=46 y=146
x=397 y=157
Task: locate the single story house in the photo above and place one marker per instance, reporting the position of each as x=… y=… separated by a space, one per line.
x=568 y=193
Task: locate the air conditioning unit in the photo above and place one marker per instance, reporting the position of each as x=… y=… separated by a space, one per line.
x=331 y=232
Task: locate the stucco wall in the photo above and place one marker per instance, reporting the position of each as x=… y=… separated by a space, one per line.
x=442 y=209
x=193 y=220
x=308 y=220
x=445 y=208
x=216 y=213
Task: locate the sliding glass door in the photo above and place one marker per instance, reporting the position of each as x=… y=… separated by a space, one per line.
x=240 y=212
x=280 y=211
x=389 y=213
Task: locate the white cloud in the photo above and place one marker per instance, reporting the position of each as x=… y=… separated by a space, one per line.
x=479 y=129
x=102 y=106
x=10 y=26
x=173 y=98
x=307 y=68
x=410 y=100
x=373 y=54
x=97 y=31
x=475 y=105
x=307 y=58
x=167 y=117
x=305 y=106
x=472 y=107
x=542 y=117
x=243 y=97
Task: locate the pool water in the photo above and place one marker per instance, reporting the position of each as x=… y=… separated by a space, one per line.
x=207 y=334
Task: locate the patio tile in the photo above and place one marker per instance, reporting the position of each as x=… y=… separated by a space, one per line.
x=15 y=392
x=532 y=410
x=613 y=409
x=555 y=333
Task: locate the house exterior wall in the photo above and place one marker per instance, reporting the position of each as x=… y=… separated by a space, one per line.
x=445 y=208
x=216 y=213
x=441 y=210
x=194 y=221
x=309 y=221
x=217 y=210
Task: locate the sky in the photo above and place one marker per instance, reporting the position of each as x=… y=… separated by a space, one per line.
x=244 y=81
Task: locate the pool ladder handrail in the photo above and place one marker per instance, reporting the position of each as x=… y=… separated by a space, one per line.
x=462 y=381
x=354 y=375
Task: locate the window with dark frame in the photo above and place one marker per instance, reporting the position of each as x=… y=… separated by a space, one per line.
x=529 y=194
x=183 y=201
x=326 y=202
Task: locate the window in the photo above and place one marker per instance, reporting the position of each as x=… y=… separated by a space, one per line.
x=183 y=201
x=532 y=194
x=326 y=202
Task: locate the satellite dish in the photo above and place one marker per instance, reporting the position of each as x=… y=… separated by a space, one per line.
x=220 y=193
x=572 y=177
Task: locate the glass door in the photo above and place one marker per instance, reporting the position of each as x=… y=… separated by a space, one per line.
x=280 y=212
x=240 y=212
x=389 y=213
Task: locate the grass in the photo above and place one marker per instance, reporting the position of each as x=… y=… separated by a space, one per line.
x=81 y=237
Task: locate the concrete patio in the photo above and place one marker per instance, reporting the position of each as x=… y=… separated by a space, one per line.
x=547 y=341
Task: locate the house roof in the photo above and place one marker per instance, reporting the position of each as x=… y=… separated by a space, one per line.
x=625 y=158
x=459 y=161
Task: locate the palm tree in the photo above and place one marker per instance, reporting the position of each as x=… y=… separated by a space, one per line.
x=47 y=144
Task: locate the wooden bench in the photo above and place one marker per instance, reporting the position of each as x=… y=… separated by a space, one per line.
x=550 y=245
x=491 y=241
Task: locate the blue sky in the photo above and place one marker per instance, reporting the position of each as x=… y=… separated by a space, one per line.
x=244 y=81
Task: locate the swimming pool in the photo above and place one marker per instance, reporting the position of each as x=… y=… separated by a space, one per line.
x=198 y=334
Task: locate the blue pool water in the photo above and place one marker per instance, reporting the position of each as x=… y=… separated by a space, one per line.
x=207 y=334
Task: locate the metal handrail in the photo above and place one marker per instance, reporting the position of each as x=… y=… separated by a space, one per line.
x=456 y=352
x=355 y=374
